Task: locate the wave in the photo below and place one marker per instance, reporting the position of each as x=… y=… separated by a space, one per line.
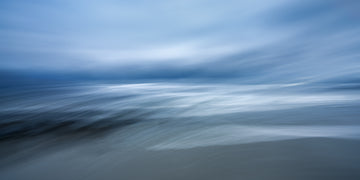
x=100 y=107
x=239 y=134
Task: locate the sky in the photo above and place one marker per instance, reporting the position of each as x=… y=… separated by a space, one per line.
x=249 y=40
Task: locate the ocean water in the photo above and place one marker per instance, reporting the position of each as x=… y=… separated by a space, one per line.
x=114 y=124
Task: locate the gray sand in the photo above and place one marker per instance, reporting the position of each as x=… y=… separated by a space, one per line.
x=310 y=158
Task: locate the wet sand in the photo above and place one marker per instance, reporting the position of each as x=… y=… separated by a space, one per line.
x=308 y=158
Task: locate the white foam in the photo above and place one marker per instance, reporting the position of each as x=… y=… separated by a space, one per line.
x=236 y=134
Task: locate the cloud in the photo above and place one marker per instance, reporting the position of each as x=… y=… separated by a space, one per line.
x=204 y=38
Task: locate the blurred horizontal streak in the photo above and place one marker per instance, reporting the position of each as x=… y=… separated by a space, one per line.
x=91 y=108
x=237 y=134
